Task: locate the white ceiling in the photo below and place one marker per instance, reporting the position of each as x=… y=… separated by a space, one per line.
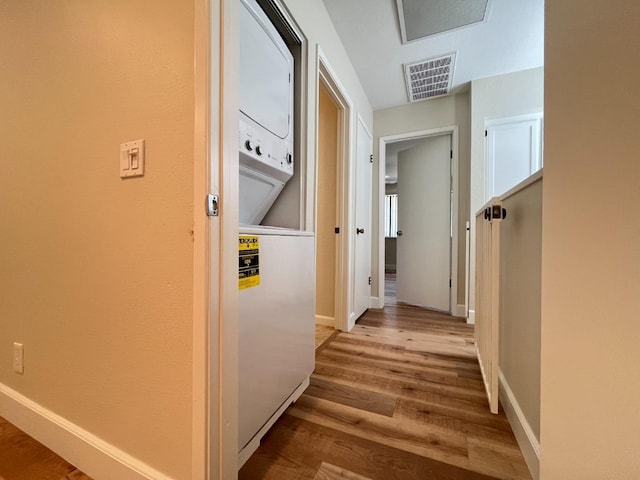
x=511 y=39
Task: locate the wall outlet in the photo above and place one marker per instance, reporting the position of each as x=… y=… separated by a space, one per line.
x=18 y=357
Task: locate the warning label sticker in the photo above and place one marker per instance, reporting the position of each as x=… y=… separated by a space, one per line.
x=249 y=257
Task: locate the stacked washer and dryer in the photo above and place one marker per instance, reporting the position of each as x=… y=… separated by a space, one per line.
x=276 y=265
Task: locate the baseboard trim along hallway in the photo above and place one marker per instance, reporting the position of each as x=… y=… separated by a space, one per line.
x=471 y=319
x=527 y=440
x=325 y=320
x=92 y=455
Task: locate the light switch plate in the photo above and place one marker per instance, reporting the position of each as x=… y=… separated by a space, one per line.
x=132 y=159
x=18 y=357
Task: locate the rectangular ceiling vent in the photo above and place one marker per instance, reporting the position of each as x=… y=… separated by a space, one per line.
x=423 y=18
x=429 y=78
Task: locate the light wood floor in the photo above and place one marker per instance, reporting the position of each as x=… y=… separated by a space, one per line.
x=23 y=458
x=324 y=335
x=400 y=397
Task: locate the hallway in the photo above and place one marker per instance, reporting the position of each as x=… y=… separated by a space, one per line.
x=400 y=397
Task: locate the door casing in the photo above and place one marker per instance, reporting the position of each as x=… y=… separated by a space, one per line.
x=449 y=130
x=344 y=178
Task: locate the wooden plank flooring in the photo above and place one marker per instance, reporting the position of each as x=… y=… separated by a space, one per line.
x=23 y=458
x=400 y=397
x=324 y=335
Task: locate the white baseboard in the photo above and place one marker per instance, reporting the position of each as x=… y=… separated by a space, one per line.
x=471 y=319
x=459 y=311
x=89 y=453
x=375 y=302
x=324 y=320
x=527 y=440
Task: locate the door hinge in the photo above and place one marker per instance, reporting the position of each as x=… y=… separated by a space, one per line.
x=212 y=205
x=370 y=158
x=486 y=133
x=451 y=154
x=336 y=230
x=449 y=283
x=370 y=279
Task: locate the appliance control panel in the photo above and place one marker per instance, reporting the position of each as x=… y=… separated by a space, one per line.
x=266 y=153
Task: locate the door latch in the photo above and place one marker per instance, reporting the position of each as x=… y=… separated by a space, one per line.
x=212 y=205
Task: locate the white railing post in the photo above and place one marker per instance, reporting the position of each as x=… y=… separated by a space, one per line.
x=488 y=221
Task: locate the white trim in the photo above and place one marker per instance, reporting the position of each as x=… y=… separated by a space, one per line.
x=375 y=302
x=527 y=440
x=343 y=292
x=460 y=311
x=522 y=185
x=467 y=267
x=382 y=147
x=223 y=242
x=202 y=421
x=94 y=456
x=324 y=320
x=254 y=443
x=471 y=319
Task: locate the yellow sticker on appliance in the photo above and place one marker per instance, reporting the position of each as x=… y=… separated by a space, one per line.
x=249 y=256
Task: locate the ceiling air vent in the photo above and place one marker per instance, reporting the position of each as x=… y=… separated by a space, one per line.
x=423 y=18
x=429 y=78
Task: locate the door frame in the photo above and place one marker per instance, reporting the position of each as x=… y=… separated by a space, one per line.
x=215 y=301
x=344 y=176
x=434 y=132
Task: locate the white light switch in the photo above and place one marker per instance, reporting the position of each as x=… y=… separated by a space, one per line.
x=18 y=357
x=132 y=159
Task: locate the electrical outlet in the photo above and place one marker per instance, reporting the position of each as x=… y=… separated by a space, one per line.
x=18 y=357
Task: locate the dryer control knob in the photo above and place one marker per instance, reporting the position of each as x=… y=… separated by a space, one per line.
x=258 y=150
x=289 y=159
x=248 y=145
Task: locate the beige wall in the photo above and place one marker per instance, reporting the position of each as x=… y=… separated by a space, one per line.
x=390 y=244
x=96 y=273
x=502 y=96
x=326 y=220
x=520 y=268
x=431 y=114
x=591 y=243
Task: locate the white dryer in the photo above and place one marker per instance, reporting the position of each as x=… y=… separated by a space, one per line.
x=266 y=113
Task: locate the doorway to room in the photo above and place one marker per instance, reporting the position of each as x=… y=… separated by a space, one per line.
x=420 y=254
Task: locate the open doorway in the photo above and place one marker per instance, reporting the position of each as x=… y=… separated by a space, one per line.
x=420 y=245
x=326 y=213
x=334 y=110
